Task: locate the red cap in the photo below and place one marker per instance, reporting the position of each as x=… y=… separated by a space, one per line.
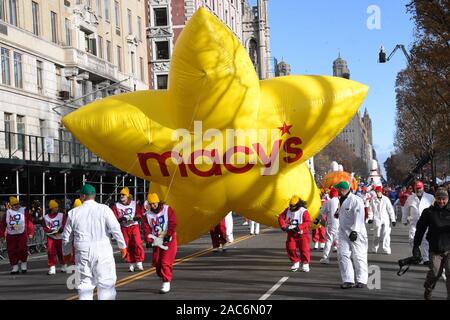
x=333 y=193
x=418 y=185
x=378 y=189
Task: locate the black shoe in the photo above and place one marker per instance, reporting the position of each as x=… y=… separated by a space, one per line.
x=14 y=272
x=360 y=285
x=24 y=271
x=427 y=294
x=426 y=263
x=347 y=285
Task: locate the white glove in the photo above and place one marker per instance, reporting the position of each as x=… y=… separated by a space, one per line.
x=157 y=242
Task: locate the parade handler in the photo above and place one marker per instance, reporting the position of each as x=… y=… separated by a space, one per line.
x=88 y=227
x=53 y=225
x=295 y=220
x=129 y=213
x=435 y=219
x=160 y=231
x=17 y=226
x=352 y=237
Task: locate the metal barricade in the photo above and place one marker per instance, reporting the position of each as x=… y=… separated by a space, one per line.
x=3 y=253
x=39 y=240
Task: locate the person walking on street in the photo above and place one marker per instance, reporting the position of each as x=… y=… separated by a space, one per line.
x=352 y=238
x=327 y=213
x=53 y=225
x=295 y=221
x=160 y=232
x=129 y=213
x=17 y=226
x=435 y=219
x=382 y=214
x=413 y=208
x=87 y=229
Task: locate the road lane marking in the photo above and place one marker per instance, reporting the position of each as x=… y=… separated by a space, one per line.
x=178 y=261
x=273 y=289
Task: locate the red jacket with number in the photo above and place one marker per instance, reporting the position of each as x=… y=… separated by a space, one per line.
x=29 y=226
x=304 y=226
x=171 y=225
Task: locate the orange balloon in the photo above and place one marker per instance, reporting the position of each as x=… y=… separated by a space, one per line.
x=335 y=177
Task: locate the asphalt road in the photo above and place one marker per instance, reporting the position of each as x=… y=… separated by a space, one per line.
x=253 y=267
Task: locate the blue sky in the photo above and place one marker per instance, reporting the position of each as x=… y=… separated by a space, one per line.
x=310 y=34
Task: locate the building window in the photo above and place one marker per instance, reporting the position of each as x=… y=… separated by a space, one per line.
x=68 y=29
x=117 y=14
x=98 y=8
x=130 y=22
x=108 y=51
x=54 y=23
x=139 y=24
x=58 y=78
x=160 y=17
x=90 y=43
x=13 y=12
x=18 y=80
x=9 y=127
x=20 y=132
x=6 y=69
x=133 y=63
x=42 y=127
x=39 y=71
x=35 y=17
x=141 y=68
x=100 y=47
x=107 y=16
x=119 y=58
x=161 y=81
x=2 y=10
x=162 y=50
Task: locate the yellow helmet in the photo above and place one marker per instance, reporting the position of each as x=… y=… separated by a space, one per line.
x=294 y=200
x=125 y=191
x=152 y=198
x=13 y=201
x=53 y=204
x=77 y=203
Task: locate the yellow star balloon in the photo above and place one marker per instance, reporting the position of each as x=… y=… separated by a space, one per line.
x=219 y=139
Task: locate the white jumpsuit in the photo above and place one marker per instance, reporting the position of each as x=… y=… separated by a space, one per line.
x=351 y=218
x=329 y=209
x=88 y=227
x=229 y=226
x=412 y=210
x=382 y=213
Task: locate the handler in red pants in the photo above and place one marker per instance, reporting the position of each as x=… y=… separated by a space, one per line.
x=53 y=224
x=318 y=238
x=160 y=231
x=129 y=213
x=295 y=220
x=219 y=236
x=18 y=225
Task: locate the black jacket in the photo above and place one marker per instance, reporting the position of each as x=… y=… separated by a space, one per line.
x=437 y=221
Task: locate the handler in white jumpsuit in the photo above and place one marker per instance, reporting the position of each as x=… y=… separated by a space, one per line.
x=382 y=214
x=88 y=227
x=328 y=210
x=412 y=210
x=352 y=239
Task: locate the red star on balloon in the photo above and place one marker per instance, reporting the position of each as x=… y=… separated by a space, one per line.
x=285 y=129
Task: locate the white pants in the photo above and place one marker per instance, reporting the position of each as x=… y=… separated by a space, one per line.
x=229 y=226
x=331 y=236
x=254 y=227
x=358 y=265
x=424 y=247
x=382 y=233
x=97 y=268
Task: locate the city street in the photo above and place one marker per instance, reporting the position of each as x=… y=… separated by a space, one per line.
x=252 y=268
